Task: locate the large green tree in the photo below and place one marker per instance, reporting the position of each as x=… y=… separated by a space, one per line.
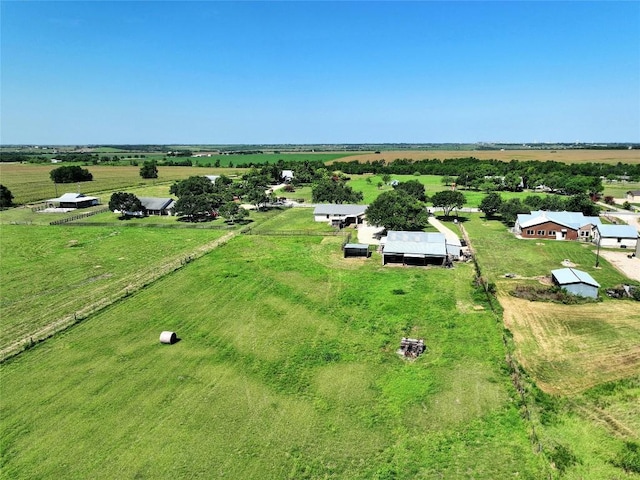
x=413 y=188
x=448 y=200
x=490 y=204
x=149 y=169
x=6 y=197
x=397 y=210
x=510 y=209
x=330 y=190
x=125 y=203
x=192 y=186
x=70 y=174
x=232 y=212
x=194 y=207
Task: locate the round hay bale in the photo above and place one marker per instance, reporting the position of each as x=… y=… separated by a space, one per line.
x=168 y=337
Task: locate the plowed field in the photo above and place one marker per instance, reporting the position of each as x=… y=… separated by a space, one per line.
x=567 y=156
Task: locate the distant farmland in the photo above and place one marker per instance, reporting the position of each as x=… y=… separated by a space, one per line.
x=565 y=156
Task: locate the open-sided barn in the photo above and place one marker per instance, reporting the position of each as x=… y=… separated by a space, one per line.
x=73 y=200
x=414 y=248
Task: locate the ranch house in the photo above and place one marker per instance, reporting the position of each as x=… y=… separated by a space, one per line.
x=575 y=282
x=555 y=225
x=633 y=196
x=616 y=236
x=339 y=215
x=73 y=200
x=157 y=206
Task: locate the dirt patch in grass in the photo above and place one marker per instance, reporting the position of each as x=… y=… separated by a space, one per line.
x=570 y=348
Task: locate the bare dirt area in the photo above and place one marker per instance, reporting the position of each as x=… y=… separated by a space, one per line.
x=628 y=266
x=570 y=348
x=568 y=156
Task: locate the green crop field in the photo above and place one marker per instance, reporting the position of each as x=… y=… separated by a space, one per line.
x=286 y=368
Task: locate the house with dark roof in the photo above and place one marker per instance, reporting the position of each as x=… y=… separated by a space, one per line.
x=555 y=225
x=339 y=215
x=575 y=282
x=633 y=196
x=157 y=206
x=617 y=236
x=73 y=200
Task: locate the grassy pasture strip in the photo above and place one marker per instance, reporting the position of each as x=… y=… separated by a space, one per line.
x=368 y=185
x=564 y=156
x=286 y=369
x=241 y=160
x=30 y=316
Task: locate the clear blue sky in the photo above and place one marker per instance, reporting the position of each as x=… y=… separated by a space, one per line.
x=319 y=72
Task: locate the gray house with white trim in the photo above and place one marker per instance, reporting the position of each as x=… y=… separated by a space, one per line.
x=339 y=215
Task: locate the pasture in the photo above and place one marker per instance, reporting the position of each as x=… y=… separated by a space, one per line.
x=286 y=368
x=50 y=273
x=31 y=183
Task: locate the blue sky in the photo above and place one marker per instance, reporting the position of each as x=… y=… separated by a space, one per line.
x=319 y=72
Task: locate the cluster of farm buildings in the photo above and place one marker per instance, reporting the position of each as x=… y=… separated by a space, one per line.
x=427 y=248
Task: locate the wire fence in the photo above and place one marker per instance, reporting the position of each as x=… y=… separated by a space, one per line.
x=79 y=216
x=136 y=282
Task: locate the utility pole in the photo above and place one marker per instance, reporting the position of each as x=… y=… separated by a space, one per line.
x=598 y=252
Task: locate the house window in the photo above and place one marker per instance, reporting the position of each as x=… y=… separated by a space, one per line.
x=541 y=233
x=529 y=232
x=552 y=233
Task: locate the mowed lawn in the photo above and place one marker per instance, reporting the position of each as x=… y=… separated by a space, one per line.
x=286 y=368
x=50 y=272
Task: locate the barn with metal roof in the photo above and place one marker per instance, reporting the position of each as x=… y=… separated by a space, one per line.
x=575 y=282
x=414 y=248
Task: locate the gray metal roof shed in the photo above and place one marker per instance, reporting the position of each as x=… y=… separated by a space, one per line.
x=576 y=282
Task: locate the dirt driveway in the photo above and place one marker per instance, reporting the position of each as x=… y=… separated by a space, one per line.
x=628 y=266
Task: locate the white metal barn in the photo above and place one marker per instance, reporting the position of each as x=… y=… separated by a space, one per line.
x=617 y=236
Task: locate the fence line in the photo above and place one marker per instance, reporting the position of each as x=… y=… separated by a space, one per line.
x=137 y=282
x=292 y=233
x=516 y=376
x=79 y=216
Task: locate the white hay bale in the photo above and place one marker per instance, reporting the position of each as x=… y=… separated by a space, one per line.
x=168 y=337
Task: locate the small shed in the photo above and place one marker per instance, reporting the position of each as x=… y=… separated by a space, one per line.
x=168 y=337
x=576 y=282
x=356 y=250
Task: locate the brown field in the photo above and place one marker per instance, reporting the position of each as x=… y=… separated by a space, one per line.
x=570 y=348
x=567 y=156
x=31 y=183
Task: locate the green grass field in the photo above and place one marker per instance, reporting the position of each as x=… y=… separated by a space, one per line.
x=31 y=183
x=286 y=368
x=242 y=160
x=586 y=356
